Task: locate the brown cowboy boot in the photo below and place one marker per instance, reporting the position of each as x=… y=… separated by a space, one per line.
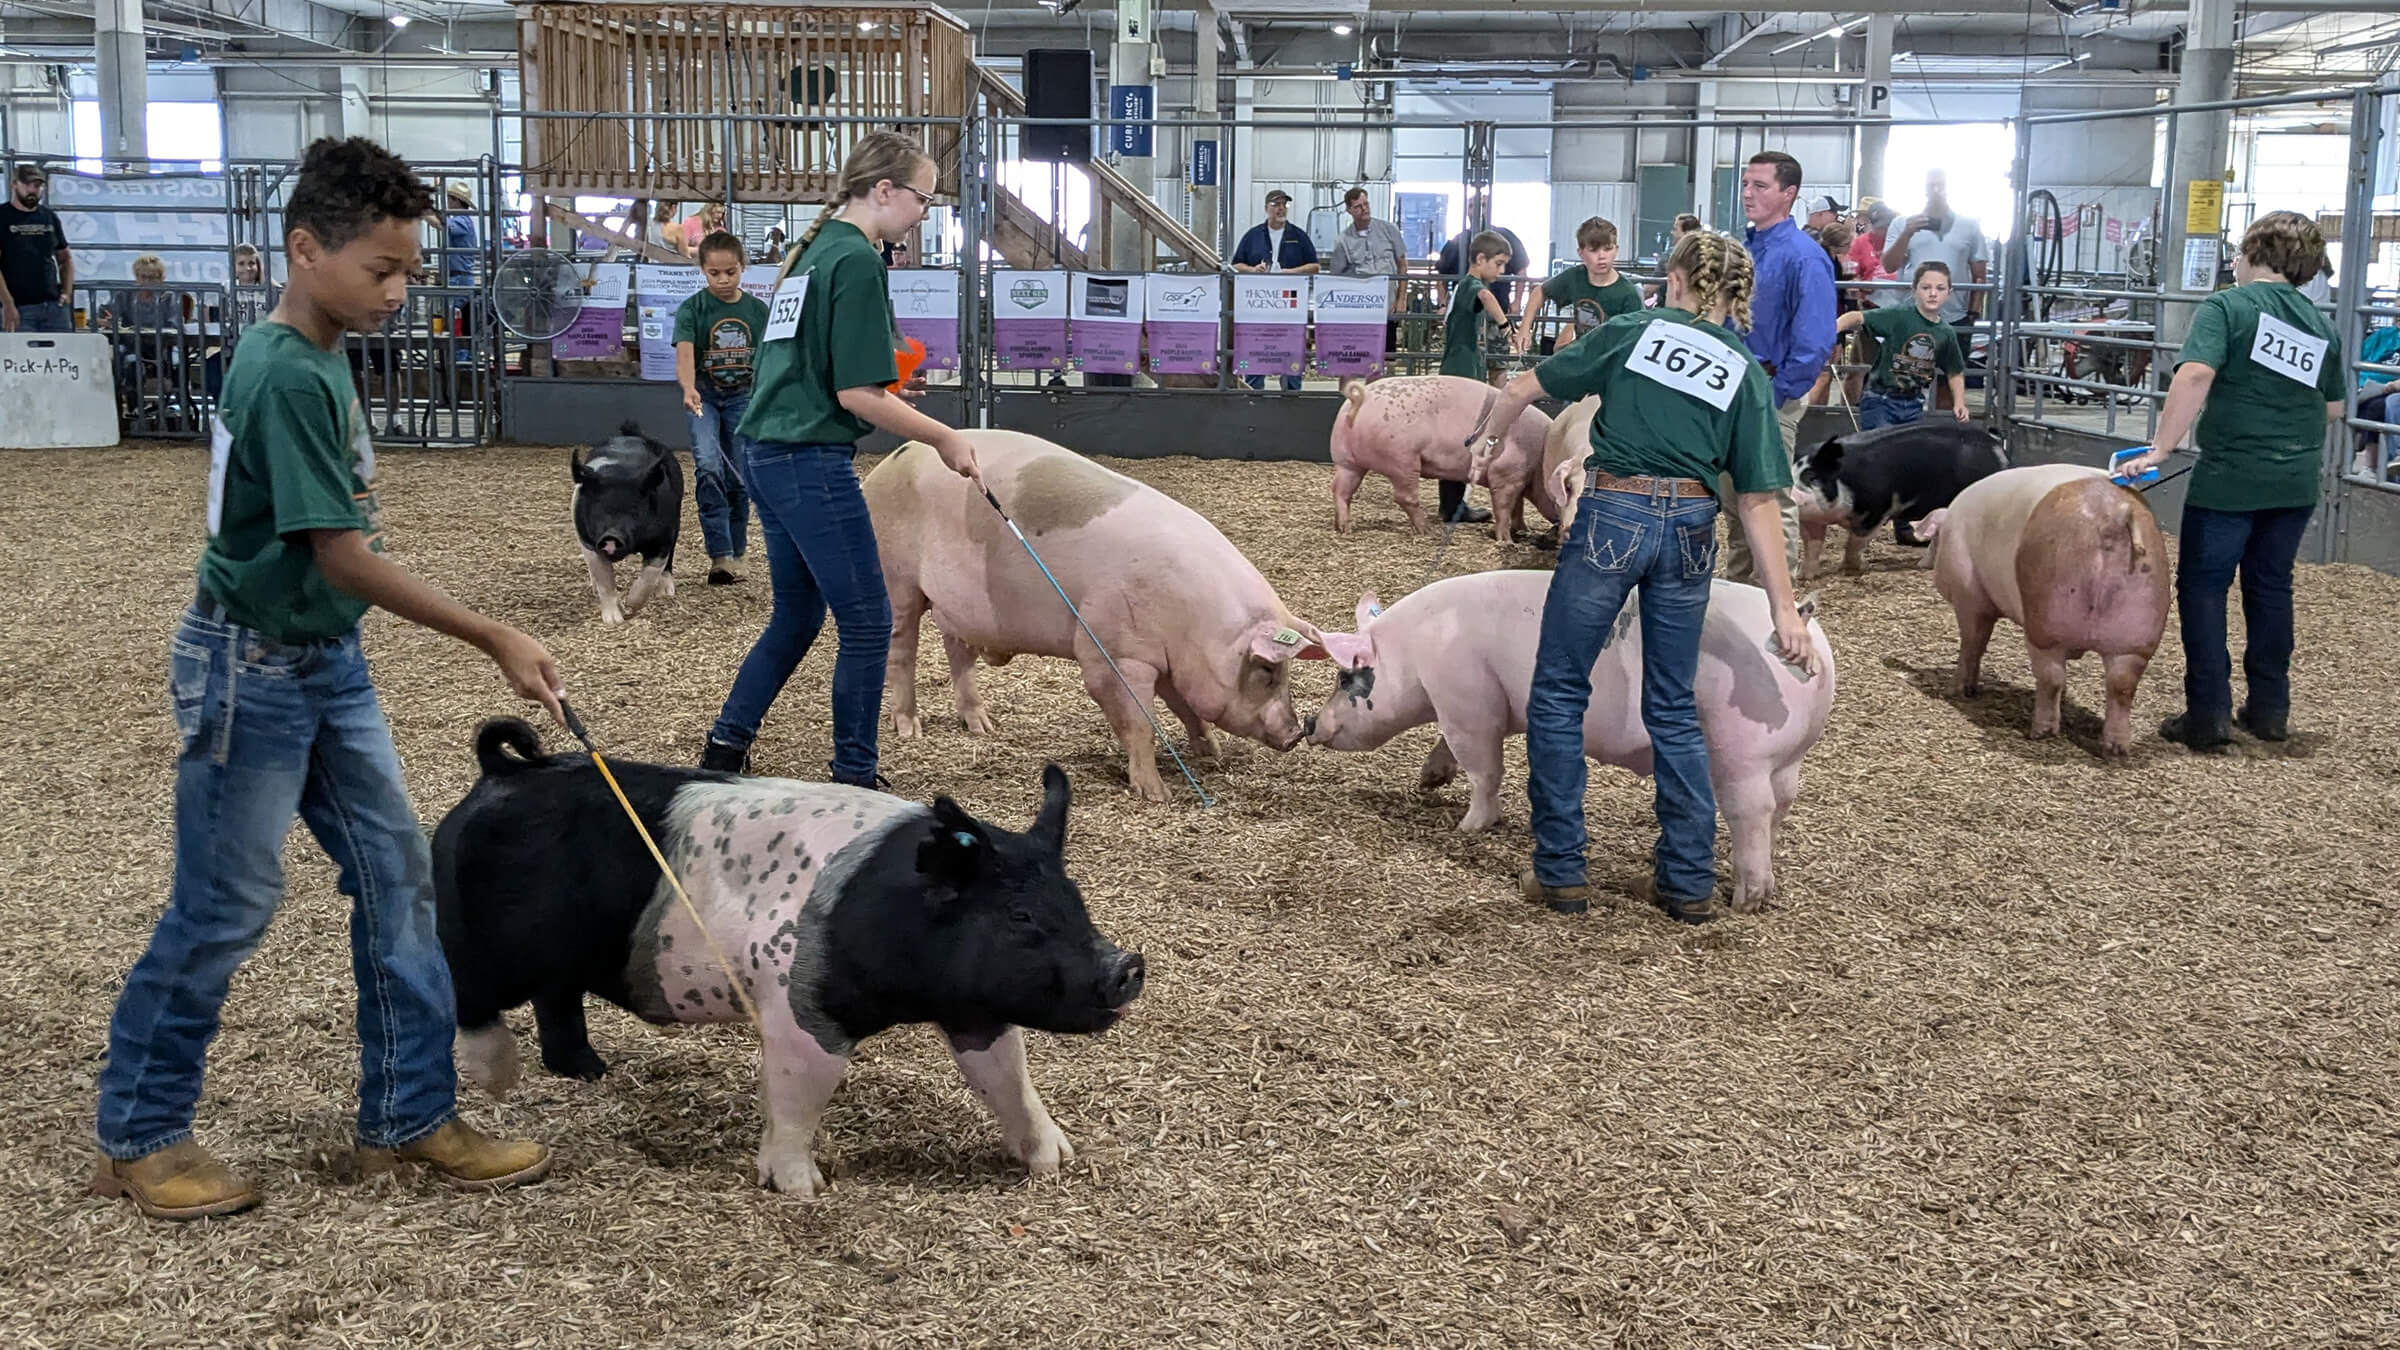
x=465 y=1157
x=180 y=1181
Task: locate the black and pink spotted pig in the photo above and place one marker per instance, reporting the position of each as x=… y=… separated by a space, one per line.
x=844 y=912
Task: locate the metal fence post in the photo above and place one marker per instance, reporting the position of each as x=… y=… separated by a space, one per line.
x=2350 y=285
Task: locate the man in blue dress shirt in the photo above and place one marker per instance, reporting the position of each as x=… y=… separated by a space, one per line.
x=1791 y=322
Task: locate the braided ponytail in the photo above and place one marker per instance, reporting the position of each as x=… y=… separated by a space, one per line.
x=1716 y=270
x=877 y=156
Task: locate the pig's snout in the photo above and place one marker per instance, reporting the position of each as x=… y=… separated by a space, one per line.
x=1121 y=982
x=611 y=546
x=1308 y=727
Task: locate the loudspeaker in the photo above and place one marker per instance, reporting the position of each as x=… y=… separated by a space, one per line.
x=1058 y=83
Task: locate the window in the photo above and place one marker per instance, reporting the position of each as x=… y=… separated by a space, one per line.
x=1976 y=155
x=183 y=137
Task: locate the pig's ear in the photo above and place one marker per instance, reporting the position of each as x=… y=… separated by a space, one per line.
x=1280 y=642
x=1368 y=609
x=1350 y=651
x=657 y=477
x=1828 y=459
x=575 y=465
x=1050 y=827
x=954 y=851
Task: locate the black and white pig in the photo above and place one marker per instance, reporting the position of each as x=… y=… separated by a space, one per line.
x=1901 y=474
x=843 y=911
x=628 y=500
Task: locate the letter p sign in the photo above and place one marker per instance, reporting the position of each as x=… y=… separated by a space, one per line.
x=1879 y=100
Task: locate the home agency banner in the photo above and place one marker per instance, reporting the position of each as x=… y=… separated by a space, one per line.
x=1029 y=319
x=1270 y=324
x=925 y=302
x=1104 y=324
x=1182 y=317
x=1350 y=315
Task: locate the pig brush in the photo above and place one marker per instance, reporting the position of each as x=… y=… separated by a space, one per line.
x=741 y=992
x=1138 y=700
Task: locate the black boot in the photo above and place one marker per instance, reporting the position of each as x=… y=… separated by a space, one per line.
x=2198 y=736
x=722 y=758
x=2266 y=726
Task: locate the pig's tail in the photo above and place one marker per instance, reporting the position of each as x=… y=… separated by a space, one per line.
x=1719 y=271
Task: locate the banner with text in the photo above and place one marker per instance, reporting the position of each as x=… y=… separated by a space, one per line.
x=599 y=328
x=658 y=291
x=1270 y=324
x=1029 y=319
x=1104 y=324
x=109 y=222
x=1350 y=314
x=1181 y=322
x=925 y=302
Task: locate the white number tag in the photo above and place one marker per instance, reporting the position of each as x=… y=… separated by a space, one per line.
x=783 y=312
x=2290 y=352
x=1688 y=361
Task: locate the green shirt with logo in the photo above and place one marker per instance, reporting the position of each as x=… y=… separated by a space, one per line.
x=724 y=337
x=1648 y=426
x=1589 y=306
x=845 y=340
x=290 y=454
x=1462 y=346
x=2262 y=433
x=1912 y=351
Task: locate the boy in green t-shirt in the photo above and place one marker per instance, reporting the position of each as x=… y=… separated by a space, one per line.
x=716 y=340
x=1591 y=294
x=1472 y=306
x=1913 y=348
x=278 y=717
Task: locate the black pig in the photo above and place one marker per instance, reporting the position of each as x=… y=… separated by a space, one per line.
x=1901 y=474
x=628 y=500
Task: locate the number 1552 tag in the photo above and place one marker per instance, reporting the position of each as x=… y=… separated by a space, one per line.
x=1688 y=361
x=783 y=312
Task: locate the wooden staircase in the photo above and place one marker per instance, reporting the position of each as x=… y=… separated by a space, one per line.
x=1021 y=236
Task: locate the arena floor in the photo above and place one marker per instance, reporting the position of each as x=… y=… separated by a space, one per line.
x=2039 y=1048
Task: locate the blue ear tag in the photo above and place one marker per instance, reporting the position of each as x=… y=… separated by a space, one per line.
x=965 y=840
x=1374 y=611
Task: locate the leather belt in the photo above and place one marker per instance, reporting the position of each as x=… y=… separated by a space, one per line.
x=1600 y=480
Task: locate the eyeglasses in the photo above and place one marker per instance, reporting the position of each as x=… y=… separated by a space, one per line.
x=925 y=197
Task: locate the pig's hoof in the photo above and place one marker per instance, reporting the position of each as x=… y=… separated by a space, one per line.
x=1966 y=688
x=1046 y=1151
x=1154 y=790
x=585 y=1064
x=1758 y=903
x=790 y=1174
x=2116 y=749
x=907 y=726
x=977 y=721
x=2038 y=732
x=611 y=614
x=1479 y=817
x=488 y=1057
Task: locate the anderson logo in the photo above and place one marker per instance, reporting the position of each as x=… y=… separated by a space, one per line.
x=1029 y=293
x=1351 y=300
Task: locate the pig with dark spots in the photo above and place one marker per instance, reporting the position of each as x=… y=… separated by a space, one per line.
x=1416 y=426
x=1186 y=617
x=2075 y=560
x=1901 y=474
x=628 y=501
x=544 y=892
x=1459 y=653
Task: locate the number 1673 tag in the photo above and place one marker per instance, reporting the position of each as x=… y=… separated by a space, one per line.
x=1688 y=361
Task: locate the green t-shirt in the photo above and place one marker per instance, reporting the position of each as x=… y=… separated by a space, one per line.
x=724 y=337
x=1648 y=425
x=1912 y=351
x=290 y=454
x=845 y=341
x=2262 y=434
x=1589 y=306
x=1462 y=346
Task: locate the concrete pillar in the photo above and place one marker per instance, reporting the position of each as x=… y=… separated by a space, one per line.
x=2202 y=142
x=1129 y=64
x=1704 y=155
x=124 y=74
x=1874 y=109
x=1204 y=106
x=357 y=119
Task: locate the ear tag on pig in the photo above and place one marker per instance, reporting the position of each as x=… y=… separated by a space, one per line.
x=1374 y=611
x=1286 y=637
x=963 y=839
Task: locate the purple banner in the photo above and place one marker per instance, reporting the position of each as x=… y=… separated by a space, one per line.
x=1030 y=344
x=940 y=337
x=1350 y=348
x=597 y=333
x=1113 y=348
x=1183 y=348
x=1269 y=348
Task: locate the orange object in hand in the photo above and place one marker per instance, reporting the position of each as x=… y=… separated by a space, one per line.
x=908 y=358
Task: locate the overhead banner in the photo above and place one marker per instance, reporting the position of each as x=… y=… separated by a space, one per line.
x=1181 y=322
x=1350 y=313
x=658 y=291
x=1029 y=319
x=109 y=222
x=1270 y=323
x=1104 y=323
x=925 y=302
x=599 y=328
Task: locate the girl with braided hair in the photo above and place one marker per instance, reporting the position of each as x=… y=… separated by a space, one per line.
x=818 y=386
x=1681 y=402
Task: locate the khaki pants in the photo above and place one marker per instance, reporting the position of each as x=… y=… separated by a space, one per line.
x=1739 y=565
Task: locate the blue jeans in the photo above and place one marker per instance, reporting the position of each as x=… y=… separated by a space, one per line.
x=716 y=477
x=1667 y=548
x=269 y=731
x=1290 y=382
x=2210 y=546
x=1878 y=409
x=820 y=555
x=53 y=317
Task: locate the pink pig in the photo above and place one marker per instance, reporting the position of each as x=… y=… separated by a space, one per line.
x=1459 y=653
x=1186 y=616
x=1414 y=426
x=2075 y=560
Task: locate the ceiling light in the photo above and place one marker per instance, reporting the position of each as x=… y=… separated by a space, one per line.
x=866 y=26
x=1341 y=30
x=399 y=21
x=2062 y=65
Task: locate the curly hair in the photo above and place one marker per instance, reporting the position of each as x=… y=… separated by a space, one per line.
x=347 y=187
x=2286 y=243
x=1716 y=269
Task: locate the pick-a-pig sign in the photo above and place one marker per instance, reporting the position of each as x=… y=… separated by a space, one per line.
x=112 y=221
